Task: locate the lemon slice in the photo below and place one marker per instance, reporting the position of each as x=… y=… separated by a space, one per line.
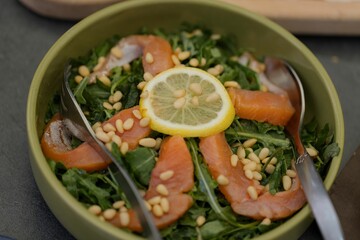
x=188 y=102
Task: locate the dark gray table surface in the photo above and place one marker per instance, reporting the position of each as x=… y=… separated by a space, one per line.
x=24 y=40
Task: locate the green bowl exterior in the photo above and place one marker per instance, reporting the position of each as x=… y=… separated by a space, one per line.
x=125 y=18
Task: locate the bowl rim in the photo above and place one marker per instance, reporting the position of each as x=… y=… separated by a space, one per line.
x=40 y=162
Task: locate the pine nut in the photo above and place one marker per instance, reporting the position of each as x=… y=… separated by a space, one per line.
x=127 y=67
x=144 y=94
x=142 y=192
x=257 y=176
x=245 y=161
x=161 y=188
x=78 y=79
x=148 y=206
x=291 y=173
x=249 y=174
x=147 y=142
x=84 y=71
x=166 y=175
x=200 y=220
x=109 y=146
x=197 y=32
x=264 y=153
x=183 y=55
x=249 y=143
x=116 y=52
x=179 y=103
x=117 y=106
x=179 y=93
x=252 y=156
x=249 y=150
x=252 y=192
x=111 y=99
x=105 y=80
x=141 y=85
x=123 y=209
x=99 y=129
x=232 y=84
x=96 y=125
x=312 y=152
x=194 y=62
x=99 y=64
x=270 y=168
x=117 y=96
x=195 y=88
x=118 y=204
x=147 y=76
x=102 y=136
x=215 y=36
x=149 y=58
x=137 y=114
x=119 y=125
x=107 y=106
x=213 y=71
x=110 y=134
x=177 y=50
x=158 y=143
x=124 y=218
x=154 y=200
x=116 y=139
x=286 y=181
x=266 y=221
x=220 y=68
x=241 y=152
x=109 y=214
x=165 y=205
x=258 y=167
x=128 y=124
x=175 y=60
x=95 y=209
x=222 y=180
x=202 y=62
x=212 y=97
x=124 y=148
x=108 y=127
x=144 y=122
x=265 y=160
x=195 y=101
x=234 y=160
x=250 y=166
x=157 y=210
x=273 y=161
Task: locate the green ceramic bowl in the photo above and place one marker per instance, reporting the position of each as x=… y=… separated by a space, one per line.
x=126 y=18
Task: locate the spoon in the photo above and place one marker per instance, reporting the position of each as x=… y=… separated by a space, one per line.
x=284 y=76
x=78 y=125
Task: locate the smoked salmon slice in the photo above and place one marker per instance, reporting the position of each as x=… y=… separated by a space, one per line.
x=261 y=106
x=56 y=145
x=133 y=135
x=217 y=154
x=174 y=157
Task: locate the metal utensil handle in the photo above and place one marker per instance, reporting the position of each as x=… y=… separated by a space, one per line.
x=82 y=129
x=318 y=199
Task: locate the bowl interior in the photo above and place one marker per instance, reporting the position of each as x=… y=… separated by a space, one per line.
x=251 y=31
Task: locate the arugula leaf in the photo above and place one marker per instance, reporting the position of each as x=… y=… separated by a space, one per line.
x=78 y=91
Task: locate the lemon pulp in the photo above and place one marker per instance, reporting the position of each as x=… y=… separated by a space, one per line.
x=188 y=102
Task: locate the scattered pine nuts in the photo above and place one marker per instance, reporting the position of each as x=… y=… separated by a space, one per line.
x=95 y=209
x=105 y=80
x=154 y=200
x=194 y=62
x=200 y=220
x=124 y=148
x=116 y=139
x=107 y=106
x=195 y=100
x=213 y=71
x=100 y=63
x=312 y=152
x=291 y=173
x=147 y=76
x=84 y=71
x=175 y=60
x=183 y=55
x=286 y=181
x=102 y=136
x=249 y=174
x=144 y=122
x=253 y=157
x=249 y=143
x=270 y=168
x=117 y=52
x=144 y=94
x=148 y=206
x=109 y=214
x=202 y=62
x=147 y=142
x=241 y=152
x=108 y=127
x=222 y=180
x=233 y=84
x=119 y=125
x=212 y=97
x=179 y=103
x=215 y=36
x=161 y=188
x=165 y=205
x=117 y=96
x=195 y=88
x=78 y=79
x=128 y=124
x=124 y=218
x=137 y=114
x=257 y=176
x=127 y=67
x=166 y=175
x=110 y=134
x=264 y=153
x=157 y=210
x=149 y=58
x=245 y=161
x=266 y=221
x=141 y=85
x=118 y=204
x=158 y=143
x=96 y=125
x=234 y=160
x=250 y=166
x=252 y=192
x=117 y=106
x=273 y=161
x=179 y=93
x=220 y=68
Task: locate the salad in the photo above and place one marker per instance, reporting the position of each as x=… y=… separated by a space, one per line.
x=193 y=119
